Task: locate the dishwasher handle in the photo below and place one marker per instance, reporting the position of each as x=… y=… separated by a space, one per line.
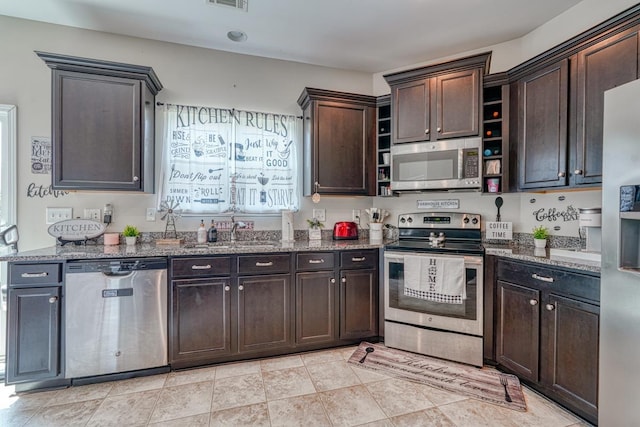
x=110 y=273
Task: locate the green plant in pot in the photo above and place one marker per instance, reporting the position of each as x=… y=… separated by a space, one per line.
x=130 y=234
x=540 y=235
x=315 y=226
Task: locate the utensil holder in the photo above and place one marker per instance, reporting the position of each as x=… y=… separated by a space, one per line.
x=375 y=232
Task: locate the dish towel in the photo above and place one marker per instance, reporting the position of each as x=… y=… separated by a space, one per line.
x=438 y=279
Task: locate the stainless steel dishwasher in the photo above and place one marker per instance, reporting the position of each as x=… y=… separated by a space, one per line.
x=115 y=316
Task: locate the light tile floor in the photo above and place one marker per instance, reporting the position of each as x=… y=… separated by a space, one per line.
x=310 y=389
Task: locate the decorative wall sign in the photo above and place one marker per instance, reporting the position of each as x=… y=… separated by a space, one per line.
x=220 y=160
x=41 y=191
x=439 y=204
x=40 y=154
x=76 y=229
x=553 y=214
x=499 y=230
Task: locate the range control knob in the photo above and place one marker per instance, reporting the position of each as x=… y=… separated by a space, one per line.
x=410 y=220
x=466 y=220
x=402 y=220
x=474 y=221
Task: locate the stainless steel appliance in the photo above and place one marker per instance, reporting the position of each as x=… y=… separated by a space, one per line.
x=115 y=316
x=620 y=275
x=434 y=324
x=441 y=165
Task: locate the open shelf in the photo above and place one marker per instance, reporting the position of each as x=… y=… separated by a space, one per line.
x=383 y=177
x=495 y=127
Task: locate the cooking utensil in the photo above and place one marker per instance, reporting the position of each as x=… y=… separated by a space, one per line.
x=371 y=350
x=504 y=382
x=499 y=203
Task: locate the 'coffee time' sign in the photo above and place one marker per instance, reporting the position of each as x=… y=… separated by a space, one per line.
x=499 y=230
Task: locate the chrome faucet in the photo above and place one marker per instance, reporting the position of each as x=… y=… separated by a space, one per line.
x=234 y=226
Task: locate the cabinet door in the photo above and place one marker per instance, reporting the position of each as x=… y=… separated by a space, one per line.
x=458 y=106
x=570 y=353
x=264 y=312
x=411 y=111
x=344 y=148
x=97 y=132
x=518 y=329
x=200 y=319
x=315 y=307
x=33 y=351
x=358 y=303
x=542 y=127
x=601 y=67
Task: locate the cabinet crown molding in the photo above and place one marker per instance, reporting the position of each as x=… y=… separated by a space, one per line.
x=312 y=94
x=476 y=61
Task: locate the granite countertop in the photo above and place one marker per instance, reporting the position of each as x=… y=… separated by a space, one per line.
x=91 y=251
x=531 y=254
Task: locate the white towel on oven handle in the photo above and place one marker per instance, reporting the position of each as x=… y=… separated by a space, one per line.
x=449 y=277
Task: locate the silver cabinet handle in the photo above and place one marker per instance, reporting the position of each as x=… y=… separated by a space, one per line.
x=316 y=261
x=578 y=171
x=136 y=179
x=52 y=300
x=332 y=280
x=343 y=280
x=201 y=267
x=533 y=301
x=439 y=129
x=227 y=288
x=32 y=275
x=550 y=307
x=561 y=174
x=543 y=278
x=426 y=130
x=240 y=287
x=264 y=264
x=358 y=259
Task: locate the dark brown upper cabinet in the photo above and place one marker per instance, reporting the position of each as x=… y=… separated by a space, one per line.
x=542 y=127
x=103 y=124
x=339 y=142
x=437 y=102
x=603 y=66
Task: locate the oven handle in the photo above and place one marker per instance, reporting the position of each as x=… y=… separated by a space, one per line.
x=468 y=260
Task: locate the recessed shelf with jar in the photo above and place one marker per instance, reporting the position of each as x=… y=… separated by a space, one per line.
x=384 y=147
x=494 y=138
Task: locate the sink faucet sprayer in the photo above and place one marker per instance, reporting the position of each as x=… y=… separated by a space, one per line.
x=234 y=226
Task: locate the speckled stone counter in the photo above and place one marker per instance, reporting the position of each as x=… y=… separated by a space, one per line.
x=70 y=251
x=531 y=254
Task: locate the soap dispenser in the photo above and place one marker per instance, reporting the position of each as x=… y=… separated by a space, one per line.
x=212 y=235
x=202 y=233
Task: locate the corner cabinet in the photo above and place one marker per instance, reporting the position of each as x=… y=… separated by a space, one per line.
x=103 y=124
x=339 y=142
x=547 y=331
x=437 y=102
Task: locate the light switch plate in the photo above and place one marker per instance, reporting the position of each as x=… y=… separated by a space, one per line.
x=54 y=215
x=320 y=214
x=151 y=214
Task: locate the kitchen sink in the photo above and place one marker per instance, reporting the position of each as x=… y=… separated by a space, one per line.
x=235 y=245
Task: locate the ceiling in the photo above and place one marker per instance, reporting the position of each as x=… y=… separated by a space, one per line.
x=363 y=35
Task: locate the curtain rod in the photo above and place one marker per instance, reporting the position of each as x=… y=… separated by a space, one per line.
x=159 y=104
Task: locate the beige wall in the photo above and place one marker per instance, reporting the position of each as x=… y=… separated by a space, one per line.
x=200 y=76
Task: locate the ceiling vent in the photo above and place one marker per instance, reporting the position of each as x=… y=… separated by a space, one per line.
x=236 y=4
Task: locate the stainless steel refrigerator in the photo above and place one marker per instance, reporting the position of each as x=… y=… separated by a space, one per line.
x=619 y=378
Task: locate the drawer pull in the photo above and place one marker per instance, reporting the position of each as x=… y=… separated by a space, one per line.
x=227 y=288
x=358 y=259
x=550 y=307
x=316 y=261
x=264 y=264
x=343 y=280
x=543 y=278
x=32 y=275
x=52 y=300
x=332 y=280
x=533 y=301
x=240 y=287
x=201 y=267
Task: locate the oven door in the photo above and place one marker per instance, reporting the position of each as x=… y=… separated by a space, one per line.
x=465 y=318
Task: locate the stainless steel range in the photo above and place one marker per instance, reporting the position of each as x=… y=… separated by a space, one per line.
x=433 y=286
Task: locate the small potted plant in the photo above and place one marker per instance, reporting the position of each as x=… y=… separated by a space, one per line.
x=130 y=234
x=540 y=235
x=315 y=229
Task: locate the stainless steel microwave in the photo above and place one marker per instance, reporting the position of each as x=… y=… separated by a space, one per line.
x=442 y=165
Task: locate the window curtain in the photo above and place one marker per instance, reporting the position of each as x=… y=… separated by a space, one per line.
x=220 y=160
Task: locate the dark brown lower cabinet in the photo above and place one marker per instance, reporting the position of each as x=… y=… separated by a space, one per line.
x=358 y=304
x=264 y=312
x=547 y=331
x=201 y=318
x=315 y=307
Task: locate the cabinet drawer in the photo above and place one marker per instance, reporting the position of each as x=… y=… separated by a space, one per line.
x=315 y=261
x=359 y=259
x=545 y=278
x=35 y=274
x=200 y=266
x=267 y=263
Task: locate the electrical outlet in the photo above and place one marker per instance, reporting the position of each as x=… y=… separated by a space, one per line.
x=355 y=216
x=320 y=214
x=93 y=214
x=54 y=215
x=151 y=214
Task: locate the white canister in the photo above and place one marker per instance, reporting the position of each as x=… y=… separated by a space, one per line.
x=375 y=232
x=287 y=225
